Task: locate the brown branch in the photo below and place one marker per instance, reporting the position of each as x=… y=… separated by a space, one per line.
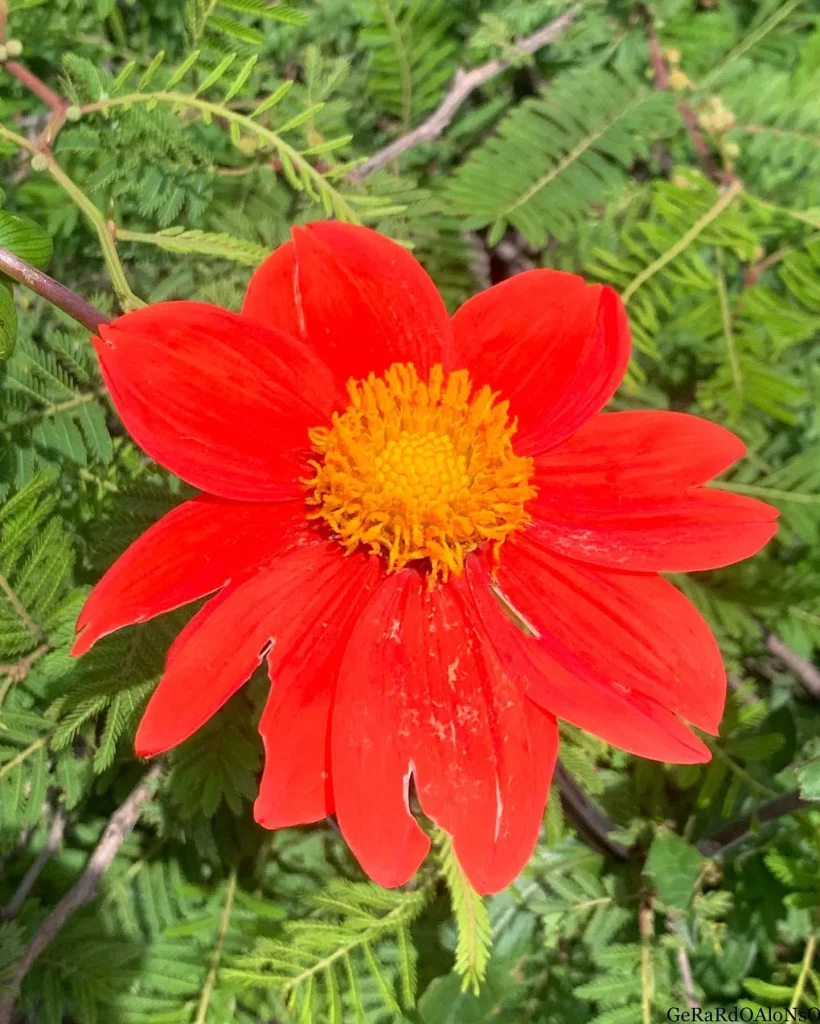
x=54 y=292
x=34 y=629
x=740 y=828
x=754 y=271
x=463 y=85
x=84 y=889
x=673 y=924
x=806 y=672
x=35 y=85
x=50 y=847
x=592 y=825
x=18 y=670
x=57 y=104
x=687 y=114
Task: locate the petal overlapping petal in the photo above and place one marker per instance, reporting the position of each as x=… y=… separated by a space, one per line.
x=361 y=300
x=199 y=547
x=303 y=665
x=618 y=654
x=228 y=638
x=553 y=345
x=621 y=492
x=421 y=695
x=218 y=399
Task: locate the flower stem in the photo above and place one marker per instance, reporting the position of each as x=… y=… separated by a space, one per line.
x=808 y=956
x=128 y=300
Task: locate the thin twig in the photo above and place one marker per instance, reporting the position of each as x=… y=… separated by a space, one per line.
x=50 y=847
x=128 y=300
x=673 y=924
x=688 y=981
x=726 y=321
x=723 y=201
x=52 y=291
x=591 y=823
x=216 y=959
x=800 y=987
x=17 y=671
x=116 y=832
x=805 y=671
x=57 y=104
x=787 y=803
x=646 y=923
x=687 y=115
x=15 y=602
x=463 y=85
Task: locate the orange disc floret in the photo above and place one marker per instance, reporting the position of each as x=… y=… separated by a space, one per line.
x=420 y=470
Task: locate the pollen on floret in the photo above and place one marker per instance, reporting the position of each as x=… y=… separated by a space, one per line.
x=420 y=470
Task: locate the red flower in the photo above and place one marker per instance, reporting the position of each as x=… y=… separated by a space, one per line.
x=386 y=490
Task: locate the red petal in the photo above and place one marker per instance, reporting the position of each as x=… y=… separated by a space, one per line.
x=304 y=665
x=219 y=400
x=553 y=345
x=196 y=549
x=363 y=301
x=225 y=641
x=271 y=298
x=614 y=652
x=420 y=692
x=619 y=493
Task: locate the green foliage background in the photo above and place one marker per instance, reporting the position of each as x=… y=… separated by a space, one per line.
x=197 y=133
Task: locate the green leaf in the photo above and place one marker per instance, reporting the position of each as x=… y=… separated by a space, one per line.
x=767 y=992
x=808 y=779
x=8 y=323
x=675 y=867
x=472 y=919
x=25 y=238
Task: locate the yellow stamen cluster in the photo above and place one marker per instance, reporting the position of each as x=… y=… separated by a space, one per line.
x=420 y=470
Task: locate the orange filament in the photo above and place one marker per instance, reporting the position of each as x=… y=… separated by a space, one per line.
x=416 y=470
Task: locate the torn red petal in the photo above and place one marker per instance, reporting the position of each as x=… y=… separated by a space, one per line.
x=226 y=640
x=420 y=695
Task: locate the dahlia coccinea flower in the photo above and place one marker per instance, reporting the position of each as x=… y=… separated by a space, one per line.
x=429 y=531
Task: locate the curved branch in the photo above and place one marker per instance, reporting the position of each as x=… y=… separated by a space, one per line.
x=464 y=83
x=740 y=828
x=592 y=825
x=116 y=832
x=806 y=672
x=52 y=291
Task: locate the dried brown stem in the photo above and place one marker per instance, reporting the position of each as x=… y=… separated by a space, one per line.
x=57 y=104
x=687 y=115
x=740 y=828
x=592 y=825
x=54 y=292
x=673 y=924
x=84 y=889
x=806 y=672
x=50 y=847
x=18 y=670
x=464 y=83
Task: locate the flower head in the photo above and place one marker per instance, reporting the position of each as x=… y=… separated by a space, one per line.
x=420 y=471
x=430 y=532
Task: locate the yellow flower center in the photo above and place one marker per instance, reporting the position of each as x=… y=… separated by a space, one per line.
x=417 y=470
